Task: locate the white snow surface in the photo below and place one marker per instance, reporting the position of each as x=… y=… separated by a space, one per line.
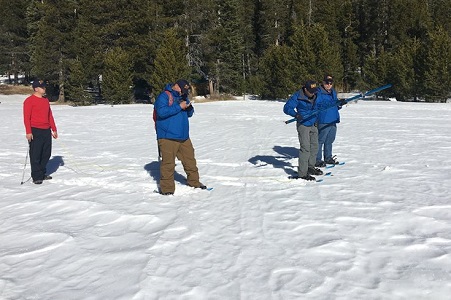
x=379 y=228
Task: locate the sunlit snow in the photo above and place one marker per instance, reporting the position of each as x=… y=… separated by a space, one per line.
x=378 y=228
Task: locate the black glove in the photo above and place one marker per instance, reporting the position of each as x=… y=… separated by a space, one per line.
x=190 y=107
x=298 y=117
x=343 y=102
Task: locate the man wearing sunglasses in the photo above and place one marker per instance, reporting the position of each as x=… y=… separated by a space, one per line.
x=327 y=123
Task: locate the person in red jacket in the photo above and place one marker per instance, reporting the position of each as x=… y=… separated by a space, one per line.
x=39 y=128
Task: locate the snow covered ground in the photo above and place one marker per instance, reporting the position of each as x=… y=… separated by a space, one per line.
x=379 y=228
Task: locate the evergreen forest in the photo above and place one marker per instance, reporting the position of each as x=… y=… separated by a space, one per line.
x=261 y=47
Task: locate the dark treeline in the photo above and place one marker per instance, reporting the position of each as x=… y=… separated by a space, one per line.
x=263 y=47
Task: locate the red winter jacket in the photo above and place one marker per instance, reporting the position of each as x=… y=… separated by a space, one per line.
x=37 y=114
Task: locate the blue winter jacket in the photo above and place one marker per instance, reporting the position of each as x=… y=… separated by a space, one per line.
x=172 y=121
x=330 y=115
x=300 y=104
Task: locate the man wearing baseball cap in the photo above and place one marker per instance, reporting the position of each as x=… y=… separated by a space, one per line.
x=172 y=109
x=327 y=123
x=301 y=105
x=39 y=128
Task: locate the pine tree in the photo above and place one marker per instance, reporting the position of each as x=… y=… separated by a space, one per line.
x=170 y=62
x=77 y=83
x=14 y=54
x=272 y=23
x=276 y=73
x=304 y=55
x=327 y=58
x=402 y=73
x=437 y=66
x=106 y=24
x=117 y=76
x=376 y=71
x=347 y=28
x=226 y=42
x=53 y=21
x=408 y=19
x=314 y=53
x=224 y=47
x=440 y=12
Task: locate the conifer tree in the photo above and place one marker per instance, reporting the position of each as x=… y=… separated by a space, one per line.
x=278 y=77
x=90 y=49
x=226 y=42
x=105 y=24
x=402 y=72
x=440 y=13
x=437 y=66
x=408 y=19
x=170 y=61
x=347 y=27
x=314 y=53
x=14 y=54
x=51 y=39
x=377 y=68
x=77 y=83
x=272 y=23
x=225 y=47
x=117 y=76
x=327 y=54
x=304 y=55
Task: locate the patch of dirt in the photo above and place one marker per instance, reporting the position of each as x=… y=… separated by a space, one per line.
x=7 y=89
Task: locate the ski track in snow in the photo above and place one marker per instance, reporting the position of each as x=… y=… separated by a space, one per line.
x=379 y=228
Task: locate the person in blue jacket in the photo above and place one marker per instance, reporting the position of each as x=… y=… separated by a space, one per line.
x=301 y=105
x=172 y=109
x=327 y=123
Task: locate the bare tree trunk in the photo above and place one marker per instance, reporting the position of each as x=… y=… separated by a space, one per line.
x=14 y=69
x=61 y=97
x=211 y=87
x=310 y=10
x=217 y=76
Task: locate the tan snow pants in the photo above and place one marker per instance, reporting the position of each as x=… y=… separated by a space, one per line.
x=184 y=151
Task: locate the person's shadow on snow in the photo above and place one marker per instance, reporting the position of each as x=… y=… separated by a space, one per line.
x=54 y=163
x=281 y=160
x=153 y=169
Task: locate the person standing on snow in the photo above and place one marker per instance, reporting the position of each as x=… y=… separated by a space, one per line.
x=301 y=105
x=172 y=109
x=327 y=123
x=39 y=128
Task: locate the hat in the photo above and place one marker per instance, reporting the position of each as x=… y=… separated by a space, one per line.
x=38 y=83
x=184 y=85
x=311 y=86
x=328 y=78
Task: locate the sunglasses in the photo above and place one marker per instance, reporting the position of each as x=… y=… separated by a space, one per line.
x=328 y=82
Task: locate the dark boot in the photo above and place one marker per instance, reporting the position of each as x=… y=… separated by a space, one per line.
x=314 y=171
x=332 y=161
x=308 y=177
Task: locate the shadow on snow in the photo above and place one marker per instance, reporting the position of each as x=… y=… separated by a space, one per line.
x=280 y=161
x=54 y=163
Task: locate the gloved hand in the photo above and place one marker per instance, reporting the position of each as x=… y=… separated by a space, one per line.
x=298 y=117
x=341 y=103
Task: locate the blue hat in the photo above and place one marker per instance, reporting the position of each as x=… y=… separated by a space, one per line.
x=311 y=86
x=184 y=85
x=38 y=83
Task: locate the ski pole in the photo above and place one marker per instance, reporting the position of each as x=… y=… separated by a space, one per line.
x=356 y=97
x=159 y=152
x=24 y=167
